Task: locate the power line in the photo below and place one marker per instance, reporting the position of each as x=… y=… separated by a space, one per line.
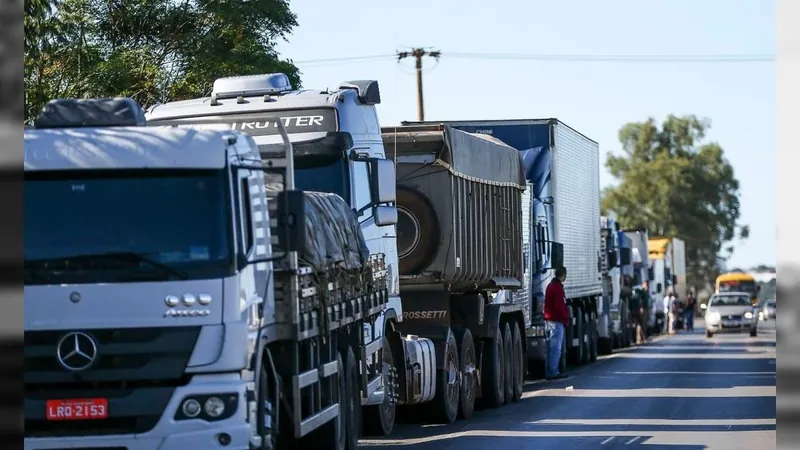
x=587 y=58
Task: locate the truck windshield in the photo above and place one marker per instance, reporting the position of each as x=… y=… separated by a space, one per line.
x=125 y=226
x=322 y=176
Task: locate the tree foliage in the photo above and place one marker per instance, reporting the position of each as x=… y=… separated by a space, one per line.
x=151 y=50
x=675 y=185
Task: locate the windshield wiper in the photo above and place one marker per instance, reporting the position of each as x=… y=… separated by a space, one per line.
x=114 y=256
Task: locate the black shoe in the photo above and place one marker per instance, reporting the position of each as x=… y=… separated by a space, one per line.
x=560 y=376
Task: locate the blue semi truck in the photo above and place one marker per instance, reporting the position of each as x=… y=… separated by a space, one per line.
x=561 y=209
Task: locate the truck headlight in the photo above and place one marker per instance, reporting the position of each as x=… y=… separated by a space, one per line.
x=748 y=315
x=209 y=407
x=191 y=408
x=214 y=407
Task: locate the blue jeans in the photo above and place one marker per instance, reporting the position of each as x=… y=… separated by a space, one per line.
x=555 y=339
x=689 y=318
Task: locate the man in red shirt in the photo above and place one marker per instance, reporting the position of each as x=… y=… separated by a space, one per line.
x=556 y=316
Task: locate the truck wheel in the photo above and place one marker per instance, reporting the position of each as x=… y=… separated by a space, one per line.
x=334 y=433
x=265 y=409
x=493 y=389
x=447 y=387
x=468 y=364
x=586 y=339
x=577 y=351
x=379 y=419
x=352 y=401
x=519 y=362
x=508 y=363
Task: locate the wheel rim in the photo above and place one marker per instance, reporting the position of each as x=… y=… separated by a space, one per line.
x=468 y=374
x=452 y=381
x=387 y=408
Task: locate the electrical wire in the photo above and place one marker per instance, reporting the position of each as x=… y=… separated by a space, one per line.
x=588 y=58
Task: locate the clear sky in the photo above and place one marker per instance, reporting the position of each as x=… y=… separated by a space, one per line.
x=595 y=98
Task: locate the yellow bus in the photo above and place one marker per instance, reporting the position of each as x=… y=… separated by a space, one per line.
x=738 y=282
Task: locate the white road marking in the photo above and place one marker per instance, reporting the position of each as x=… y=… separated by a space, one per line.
x=607 y=440
x=632 y=440
x=738 y=391
x=712 y=440
x=656 y=422
x=672 y=356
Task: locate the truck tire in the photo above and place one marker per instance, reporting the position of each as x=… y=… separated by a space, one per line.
x=352 y=401
x=333 y=434
x=519 y=362
x=508 y=363
x=468 y=383
x=265 y=407
x=493 y=391
x=417 y=230
x=446 y=400
x=379 y=419
x=586 y=339
x=576 y=356
x=593 y=338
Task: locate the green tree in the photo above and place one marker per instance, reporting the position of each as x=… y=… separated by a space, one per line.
x=151 y=50
x=676 y=185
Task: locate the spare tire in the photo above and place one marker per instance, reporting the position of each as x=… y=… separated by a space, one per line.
x=418 y=231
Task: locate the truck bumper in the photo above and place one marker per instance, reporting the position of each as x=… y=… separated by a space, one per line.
x=169 y=434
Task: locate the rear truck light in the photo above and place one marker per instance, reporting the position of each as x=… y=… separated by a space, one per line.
x=209 y=407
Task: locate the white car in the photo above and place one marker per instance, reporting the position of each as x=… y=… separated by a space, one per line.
x=731 y=312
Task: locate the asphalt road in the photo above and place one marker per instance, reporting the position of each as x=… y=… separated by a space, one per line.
x=676 y=392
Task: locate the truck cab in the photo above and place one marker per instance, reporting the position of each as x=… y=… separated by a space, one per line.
x=134 y=334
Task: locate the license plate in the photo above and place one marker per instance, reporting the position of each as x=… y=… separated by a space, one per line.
x=77 y=409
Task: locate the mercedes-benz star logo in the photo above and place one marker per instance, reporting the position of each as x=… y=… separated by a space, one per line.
x=76 y=351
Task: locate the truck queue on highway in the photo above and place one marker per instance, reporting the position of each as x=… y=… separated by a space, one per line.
x=265 y=267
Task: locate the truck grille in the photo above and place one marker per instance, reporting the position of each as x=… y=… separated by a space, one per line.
x=136 y=369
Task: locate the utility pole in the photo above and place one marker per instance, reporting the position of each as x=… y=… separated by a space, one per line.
x=418 y=54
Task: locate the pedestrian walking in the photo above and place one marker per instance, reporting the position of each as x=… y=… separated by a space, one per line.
x=670 y=312
x=556 y=316
x=691 y=307
x=637 y=314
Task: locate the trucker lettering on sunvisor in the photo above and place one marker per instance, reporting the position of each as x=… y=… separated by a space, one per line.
x=262 y=123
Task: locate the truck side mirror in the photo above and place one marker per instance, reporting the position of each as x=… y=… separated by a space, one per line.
x=557 y=255
x=612 y=259
x=291 y=215
x=625 y=256
x=382 y=181
x=384 y=215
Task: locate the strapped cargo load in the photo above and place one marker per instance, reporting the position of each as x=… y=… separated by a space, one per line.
x=459 y=214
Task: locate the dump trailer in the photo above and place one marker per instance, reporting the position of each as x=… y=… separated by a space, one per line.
x=245 y=329
x=459 y=233
x=560 y=210
x=337 y=149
